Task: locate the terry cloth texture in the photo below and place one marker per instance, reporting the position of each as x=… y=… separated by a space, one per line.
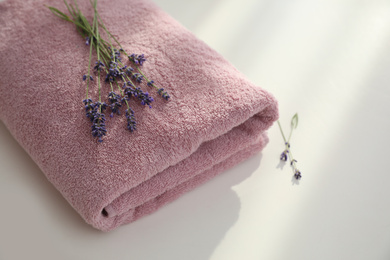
x=215 y=119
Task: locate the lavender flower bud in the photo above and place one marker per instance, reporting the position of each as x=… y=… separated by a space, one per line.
x=141 y=59
x=131 y=123
x=143 y=96
x=99 y=66
x=137 y=59
x=115 y=103
x=100 y=105
x=89 y=108
x=283 y=156
x=128 y=92
x=150 y=83
x=293 y=161
x=99 y=127
x=138 y=77
x=130 y=84
x=164 y=94
x=297 y=175
x=129 y=71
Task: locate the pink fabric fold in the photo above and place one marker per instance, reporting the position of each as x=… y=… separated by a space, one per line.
x=215 y=119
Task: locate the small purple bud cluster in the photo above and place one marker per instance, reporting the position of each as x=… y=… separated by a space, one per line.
x=85 y=77
x=99 y=66
x=115 y=103
x=160 y=91
x=89 y=108
x=94 y=111
x=163 y=93
x=138 y=77
x=297 y=174
x=284 y=157
x=129 y=71
x=143 y=96
x=99 y=127
x=131 y=123
x=114 y=72
x=116 y=57
x=150 y=83
x=137 y=59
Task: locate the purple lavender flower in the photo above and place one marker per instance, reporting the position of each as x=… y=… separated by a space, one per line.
x=113 y=72
x=99 y=126
x=89 y=108
x=97 y=118
x=100 y=106
x=150 y=83
x=131 y=123
x=146 y=99
x=141 y=59
x=129 y=71
x=164 y=94
x=143 y=96
x=128 y=92
x=115 y=103
x=85 y=77
x=133 y=58
x=138 y=77
x=292 y=162
x=283 y=156
x=99 y=66
x=116 y=72
x=297 y=175
x=129 y=84
x=116 y=57
x=137 y=59
x=87 y=101
x=139 y=94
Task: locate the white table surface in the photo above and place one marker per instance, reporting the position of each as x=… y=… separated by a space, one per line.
x=327 y=60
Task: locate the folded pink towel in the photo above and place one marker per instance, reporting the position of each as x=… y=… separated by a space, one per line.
x=215 y=119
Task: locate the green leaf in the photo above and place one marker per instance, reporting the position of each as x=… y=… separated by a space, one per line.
x=77 y=7
x=74 y=11
x=294 y=121
x=70 y=11
x=59 y=13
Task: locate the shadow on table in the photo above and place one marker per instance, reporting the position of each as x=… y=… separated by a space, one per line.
x=188 y=228
x=192 y=226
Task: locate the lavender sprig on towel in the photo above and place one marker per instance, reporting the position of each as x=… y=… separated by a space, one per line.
x=110 y=63
x=287 y=154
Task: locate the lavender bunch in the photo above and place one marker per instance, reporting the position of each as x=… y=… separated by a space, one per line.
x=126 y=78
x=287 y=154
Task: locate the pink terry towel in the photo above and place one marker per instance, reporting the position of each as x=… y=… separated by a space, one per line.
x=215 y=118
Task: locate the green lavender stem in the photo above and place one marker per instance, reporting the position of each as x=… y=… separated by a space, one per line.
x=287 y=151
x=89 y=68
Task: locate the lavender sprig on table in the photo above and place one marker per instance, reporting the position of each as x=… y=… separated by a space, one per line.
x=287 y=154
x=126 y=78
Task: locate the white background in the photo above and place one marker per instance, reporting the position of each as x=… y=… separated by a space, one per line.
x=327 y=60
